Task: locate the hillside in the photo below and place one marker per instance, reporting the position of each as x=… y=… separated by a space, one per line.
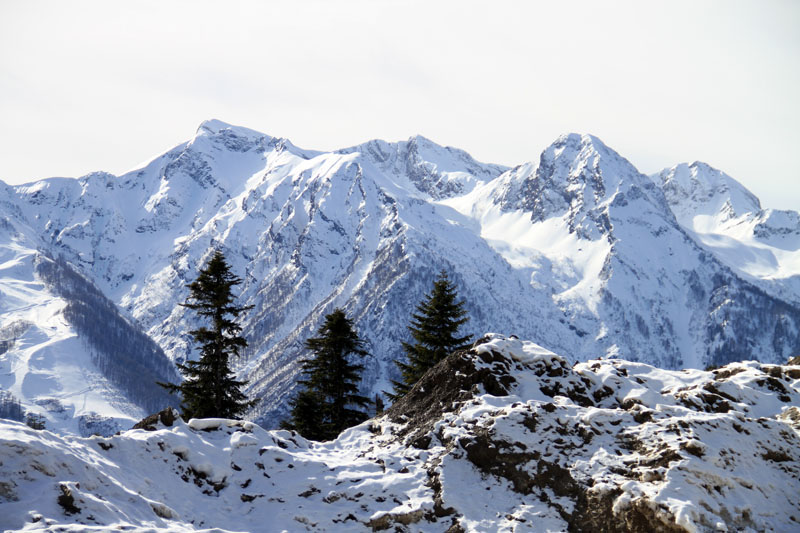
x=504 y=437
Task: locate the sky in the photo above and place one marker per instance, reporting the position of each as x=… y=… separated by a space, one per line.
x=98 y=85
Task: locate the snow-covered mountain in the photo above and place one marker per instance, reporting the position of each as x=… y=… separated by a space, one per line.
x=515 y=439
x=65 y=350
x=761 y=245
x=579 y=251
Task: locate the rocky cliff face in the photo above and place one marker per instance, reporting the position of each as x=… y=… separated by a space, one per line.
x=506 y=436
x=581 y=252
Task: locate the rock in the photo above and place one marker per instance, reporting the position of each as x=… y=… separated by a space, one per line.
x=165 y=418
x=67 y=501
x=453 y=380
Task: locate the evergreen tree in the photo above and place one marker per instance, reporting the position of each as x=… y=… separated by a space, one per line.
x=434 y=328
x=35 y=421
x=307 y=418
x=209 y=389
x=379 y=407
x=330 y=401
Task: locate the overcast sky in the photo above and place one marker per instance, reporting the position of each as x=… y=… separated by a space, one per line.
x=104 y=85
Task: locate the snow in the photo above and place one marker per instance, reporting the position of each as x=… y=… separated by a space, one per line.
x=673 y=455
x=47 y=367
x=580 y=252
x=727 y=219
x=574 y=263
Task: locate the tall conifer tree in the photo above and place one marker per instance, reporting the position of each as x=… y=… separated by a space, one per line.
x=434 y=328
x=210 y=389
x=330 y=401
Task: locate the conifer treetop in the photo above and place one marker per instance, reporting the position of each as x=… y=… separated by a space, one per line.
x=210 y=389
x=434 y=328
x=329 y=402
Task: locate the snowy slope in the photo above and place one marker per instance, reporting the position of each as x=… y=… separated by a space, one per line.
x=586 y=226
x=49 y=361
x=44 y=362
x=762 y=245
x=517 y=441
x=579 y=251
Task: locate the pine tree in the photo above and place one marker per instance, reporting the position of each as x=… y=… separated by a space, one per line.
x=210 y=389
x=434 y=328
x=35 y=421
x=330 y=401
x=307 y=418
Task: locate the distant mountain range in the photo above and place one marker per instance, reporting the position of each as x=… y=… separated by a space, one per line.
x=579 y=252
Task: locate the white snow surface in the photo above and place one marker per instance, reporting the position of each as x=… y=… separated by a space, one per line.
x=45 y=364
x=697 y=451
x=578 y=251
x=727 y=219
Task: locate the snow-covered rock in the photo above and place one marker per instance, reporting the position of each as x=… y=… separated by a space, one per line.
x=507 y=436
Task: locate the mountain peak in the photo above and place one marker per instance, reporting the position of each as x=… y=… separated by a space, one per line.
x=581 y=166
x=421 y=139
x=215 y=126
x=240 y=139
x=583 y=181
x=582 y=147
x=700 y=189
x=579 y=139
x=435 y=170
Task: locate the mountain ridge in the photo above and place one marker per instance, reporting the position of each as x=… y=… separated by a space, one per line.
x=581 y=252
